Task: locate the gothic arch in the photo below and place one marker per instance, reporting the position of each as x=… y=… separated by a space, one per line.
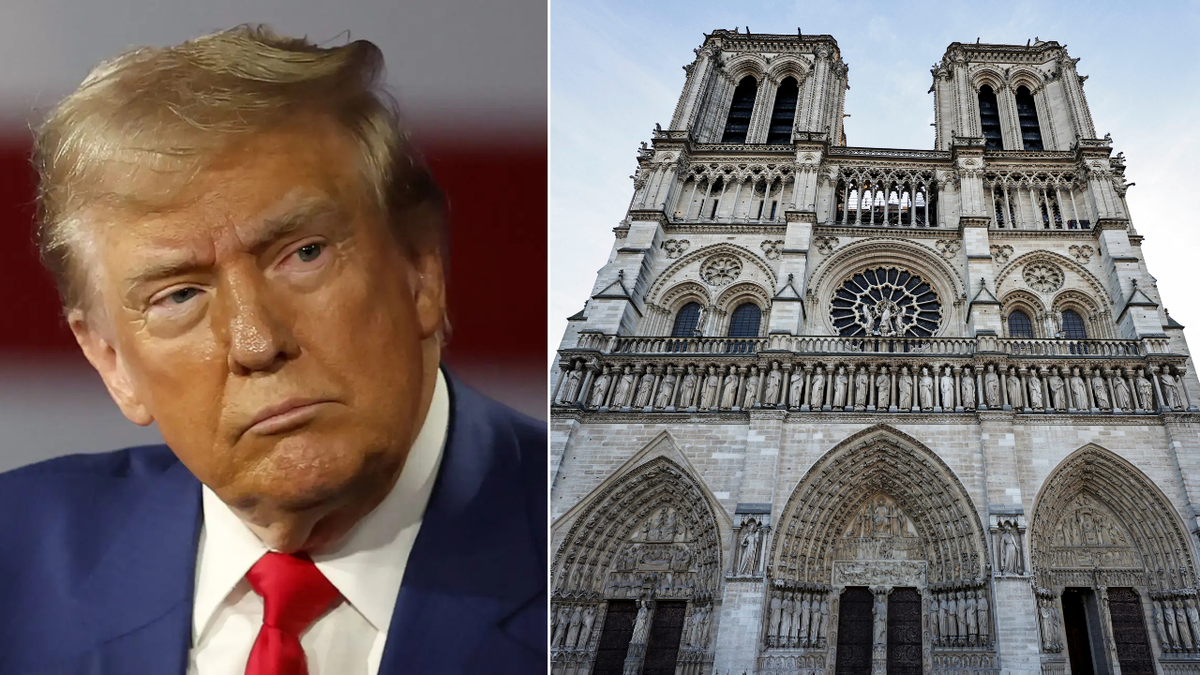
x=1019 y=263
x=879 y=459
x=739 y=292
x=682 y=293
x=1162 y=561
x=1023 y=76
x=885 y=251
x=786 y=65
x=990 y=76
x=611 y=525
x=745 y=64
x=754 y=264
x=1027 y=302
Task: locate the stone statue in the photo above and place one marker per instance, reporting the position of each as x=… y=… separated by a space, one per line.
x=1057 y=390
x=1169 y=617
x=797 y=389
x=805 y=618
x=840 y=383
x=748 y=558
x=951 y=606
x=1170 y=390
x=666 y=388
x=963 y=613
x=560 y=627
x=861 y=388
x=1163 y=638
x=943 y=620
x=687 y=390
x=774 y=384
x=624 y=389
x=645 y=389
x=1014 y=390
x=1100 y=390
x=1035 y=392
x=600 y=388
x=571 y=387
x=823 y=626
x=1010 y=551
x=925 y=385
x=785 y=625
x=991 y=387
x=883 y=391
x=708 y=399
x=934 y=624
x=968 y=389
x=751 y=398
x=880 y=618
x=1193 y=615
x=773 y=630
x=573 y=631
x=1049 y=640
x=729 y=391
x=1078 y=390
x=585 y=632
x=1185 y=635
x=1145 y=390
x=984 y=617
x=816 y=392
x=947 y=386
x=641 y=625
x=904 y=387
x=1121 y=393
x=972 y=618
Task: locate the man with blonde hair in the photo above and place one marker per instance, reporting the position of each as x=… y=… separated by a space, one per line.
x=251 y=255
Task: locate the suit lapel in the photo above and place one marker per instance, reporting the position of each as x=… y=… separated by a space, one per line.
x=136 y=606
x=474 y=565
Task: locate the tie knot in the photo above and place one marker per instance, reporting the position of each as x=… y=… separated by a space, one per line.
x=293 y=590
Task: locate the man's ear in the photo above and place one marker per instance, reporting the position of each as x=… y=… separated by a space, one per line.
x=428 y=283
x=104 y=358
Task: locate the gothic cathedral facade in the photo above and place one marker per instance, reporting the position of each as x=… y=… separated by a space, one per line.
x=836 y=410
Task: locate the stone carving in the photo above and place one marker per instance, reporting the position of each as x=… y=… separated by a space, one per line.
x=968 y=389
x=645 y=389
x=641 y=625
x=1035 y=392
x=1044 y=277
x=600 y=388
x=1121 y=393
x=879 y=531
x=880 y=617
x=1170 y=390
x=774 y=383
x=676 y=247
x=826 y=245
x=861 y=388
x=695 y=630
x=1014 y=390
x=751 y=541
x=1058 y=391
x=1079 y=390
x=561 y=623
x=885 y=301
x=571 y=386
x=947 y=387
x=667 y=388
x=882 y=391
x=772 y=249
x=721 y=270
x=817 y=390
x=875 y=572
x=1050 y=625
x=1010 y=549
x=1145 y=390
x=751 y=398
x=730 y=389
x=958 y=617
x=1100 y=391
x=1001 y=252
x=711 y=385
x=841 y=382
x=795 y=396
x=573 y=630
x=625 y=388
x=991 y=386
x=585 y=632
x=1082 y=253
x=947 y=247
x=904 y=385
x=925 y=386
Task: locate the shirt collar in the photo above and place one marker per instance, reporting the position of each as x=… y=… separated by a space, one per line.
x=366 y=567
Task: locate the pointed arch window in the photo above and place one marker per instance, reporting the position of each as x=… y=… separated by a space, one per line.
x=1019 y=325
x=737 y=125
x=745 y=321
x=1031 y=133
x=1072 y=325
x=783 y=116
x=989 y=118
x=686 y=320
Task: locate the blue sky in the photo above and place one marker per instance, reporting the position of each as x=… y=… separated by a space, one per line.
x=616 y=68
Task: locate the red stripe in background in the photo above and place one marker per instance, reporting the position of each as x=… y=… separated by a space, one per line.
x=498 y=253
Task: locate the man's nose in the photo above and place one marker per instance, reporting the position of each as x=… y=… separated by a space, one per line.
x=260 y=335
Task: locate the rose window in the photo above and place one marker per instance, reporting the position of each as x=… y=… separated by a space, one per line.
x=1044 y=277
x=888 y=302
x=721 y=270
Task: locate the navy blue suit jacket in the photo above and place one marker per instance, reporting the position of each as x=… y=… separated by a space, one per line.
x=98 y=555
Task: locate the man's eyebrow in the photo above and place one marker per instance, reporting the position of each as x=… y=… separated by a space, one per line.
x=271 y=230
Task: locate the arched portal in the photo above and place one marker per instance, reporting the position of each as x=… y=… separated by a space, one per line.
x=883 y=533
x=1112 y=566
x=635 y=577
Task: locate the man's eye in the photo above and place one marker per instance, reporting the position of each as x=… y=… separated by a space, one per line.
x=309 y=252
x=183 y=295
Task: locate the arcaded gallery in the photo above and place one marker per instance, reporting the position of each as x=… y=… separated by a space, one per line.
x=843 y=410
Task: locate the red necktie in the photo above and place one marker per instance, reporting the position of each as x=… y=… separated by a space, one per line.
x=294 y=594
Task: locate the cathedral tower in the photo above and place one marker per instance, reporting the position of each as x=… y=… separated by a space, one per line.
x=833 y=409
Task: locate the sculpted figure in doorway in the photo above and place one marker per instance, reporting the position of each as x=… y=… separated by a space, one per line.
x=641 y=625
x=748 y=558
x=1010 y=552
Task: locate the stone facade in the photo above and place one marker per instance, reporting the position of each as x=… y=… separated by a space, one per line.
x=833 y=409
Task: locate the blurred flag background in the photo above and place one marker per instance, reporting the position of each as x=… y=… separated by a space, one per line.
x=471 y=78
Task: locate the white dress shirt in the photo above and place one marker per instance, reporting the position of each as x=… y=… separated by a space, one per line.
x=366 y=569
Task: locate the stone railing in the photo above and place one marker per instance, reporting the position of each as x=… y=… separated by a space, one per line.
x=808 y=373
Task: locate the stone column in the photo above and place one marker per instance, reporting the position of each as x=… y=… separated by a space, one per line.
x=958 y=403
x=637 y=645
x=1023 y=372
x=879 y=629
x=871 y=388
x=807 y=388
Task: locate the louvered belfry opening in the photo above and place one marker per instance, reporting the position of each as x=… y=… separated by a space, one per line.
x=1031 y=133
x=989 y=118
x=737 y=125
x=783 y=114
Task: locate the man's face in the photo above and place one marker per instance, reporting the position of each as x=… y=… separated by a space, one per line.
x=271 y=325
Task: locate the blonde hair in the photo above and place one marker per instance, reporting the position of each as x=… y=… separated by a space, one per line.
x=161 y=113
